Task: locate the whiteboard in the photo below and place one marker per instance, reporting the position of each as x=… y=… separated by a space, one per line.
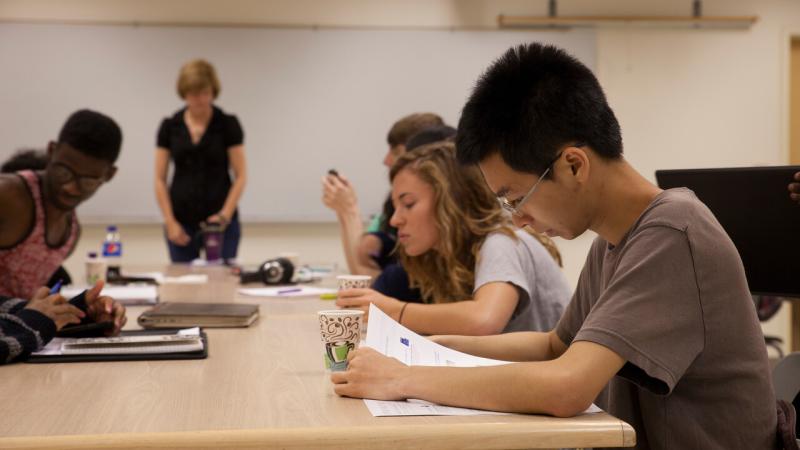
x=308 y=99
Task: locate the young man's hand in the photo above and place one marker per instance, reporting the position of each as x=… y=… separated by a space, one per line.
x=338 y=193
x=55 y=307
x=105 y=309
x=372 y=375
x=794 y=188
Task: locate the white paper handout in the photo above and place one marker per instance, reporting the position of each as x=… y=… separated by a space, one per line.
x=392 y=339
x=287 y=291
x=134 y=294
x=160 y=278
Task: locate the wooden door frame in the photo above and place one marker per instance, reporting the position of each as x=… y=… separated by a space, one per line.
x=789 y=36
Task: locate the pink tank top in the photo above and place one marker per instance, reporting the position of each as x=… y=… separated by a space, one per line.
x=29 y=264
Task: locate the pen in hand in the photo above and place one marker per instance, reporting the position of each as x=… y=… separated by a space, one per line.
x=57 y=287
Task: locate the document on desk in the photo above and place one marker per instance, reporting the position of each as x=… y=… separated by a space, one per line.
x=392 y=339
x=133 y=294
x=185 y=340
x=289 y=291
x=160 y=278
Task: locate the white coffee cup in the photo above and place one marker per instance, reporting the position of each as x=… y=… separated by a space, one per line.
x=354 y=281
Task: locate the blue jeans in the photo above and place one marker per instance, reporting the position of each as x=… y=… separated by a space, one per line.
x=191 y=251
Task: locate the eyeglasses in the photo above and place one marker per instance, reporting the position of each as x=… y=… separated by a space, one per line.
x=512 y=206
x=64 y=174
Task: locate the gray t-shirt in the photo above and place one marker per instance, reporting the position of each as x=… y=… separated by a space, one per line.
x=672 y=299
x=525 y=263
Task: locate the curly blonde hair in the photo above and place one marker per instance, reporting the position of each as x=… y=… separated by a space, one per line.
x=466 y=212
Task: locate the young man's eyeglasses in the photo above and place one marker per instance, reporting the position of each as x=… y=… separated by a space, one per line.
x=64 y=174
x=512 y=206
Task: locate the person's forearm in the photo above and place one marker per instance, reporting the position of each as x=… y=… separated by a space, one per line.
x=234 y=194
x=25 y=332
x=11 y=305
x=467 y=318
x=531 y=387
x=352 y=228
x=520 y=346
x=162 y=196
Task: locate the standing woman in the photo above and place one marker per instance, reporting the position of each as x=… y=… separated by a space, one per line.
x=206 y=145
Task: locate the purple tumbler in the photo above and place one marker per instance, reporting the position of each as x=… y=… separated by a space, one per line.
x=213 y=240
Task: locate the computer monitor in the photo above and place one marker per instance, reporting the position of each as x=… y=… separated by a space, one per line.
x=754 y=207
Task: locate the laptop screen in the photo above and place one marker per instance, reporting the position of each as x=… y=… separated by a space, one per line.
x=754 y=207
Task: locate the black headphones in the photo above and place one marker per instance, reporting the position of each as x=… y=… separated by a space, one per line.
x=271 y=271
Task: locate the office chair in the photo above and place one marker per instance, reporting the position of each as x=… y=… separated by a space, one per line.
x=766 y=307
x=786 y=379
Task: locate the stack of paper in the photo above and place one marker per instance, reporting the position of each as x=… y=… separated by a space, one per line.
x=287 y=291
x=192 y=278
x=392 y=339
x=135 y=294
x=187 y=340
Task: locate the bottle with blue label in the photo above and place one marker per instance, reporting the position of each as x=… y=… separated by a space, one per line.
x=112 y=252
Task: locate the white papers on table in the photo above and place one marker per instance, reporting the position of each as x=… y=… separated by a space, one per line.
x=134 y=294
x=287 y=291
x=411 y=407
x=160 y=278
x=186 y=340
x=394 y=340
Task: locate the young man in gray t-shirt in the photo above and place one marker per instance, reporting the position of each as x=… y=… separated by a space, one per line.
x=661 y=330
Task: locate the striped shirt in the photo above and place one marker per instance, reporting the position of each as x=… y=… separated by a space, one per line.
x=22 y=331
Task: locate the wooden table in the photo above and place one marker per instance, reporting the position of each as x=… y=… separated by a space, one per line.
x=261 y=387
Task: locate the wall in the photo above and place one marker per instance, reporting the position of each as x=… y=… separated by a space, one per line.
x=683 y=97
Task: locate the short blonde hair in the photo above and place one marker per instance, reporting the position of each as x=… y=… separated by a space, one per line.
x=195 y=75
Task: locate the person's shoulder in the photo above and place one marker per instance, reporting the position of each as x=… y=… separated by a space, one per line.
x=675 y=208
x=12 y=186
x=502 y=239
x=173 y=119
x=224 y=116
x=15 y=197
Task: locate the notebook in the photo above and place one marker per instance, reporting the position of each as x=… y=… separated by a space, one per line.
x=211 y=315
x=189 y=343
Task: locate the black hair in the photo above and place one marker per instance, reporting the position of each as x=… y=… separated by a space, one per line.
x=93 y=134
x=26 y=159
x=431 y=135
x=529 y=103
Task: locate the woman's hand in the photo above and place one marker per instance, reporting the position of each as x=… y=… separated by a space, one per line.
x=55 y=307
x=219 y=218
x=176 y=234
x=371 y=375
x=361 y=298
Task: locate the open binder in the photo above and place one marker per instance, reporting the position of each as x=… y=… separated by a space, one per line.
x=138 y=345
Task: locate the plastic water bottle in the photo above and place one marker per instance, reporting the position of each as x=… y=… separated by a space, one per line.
x=112 y=252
